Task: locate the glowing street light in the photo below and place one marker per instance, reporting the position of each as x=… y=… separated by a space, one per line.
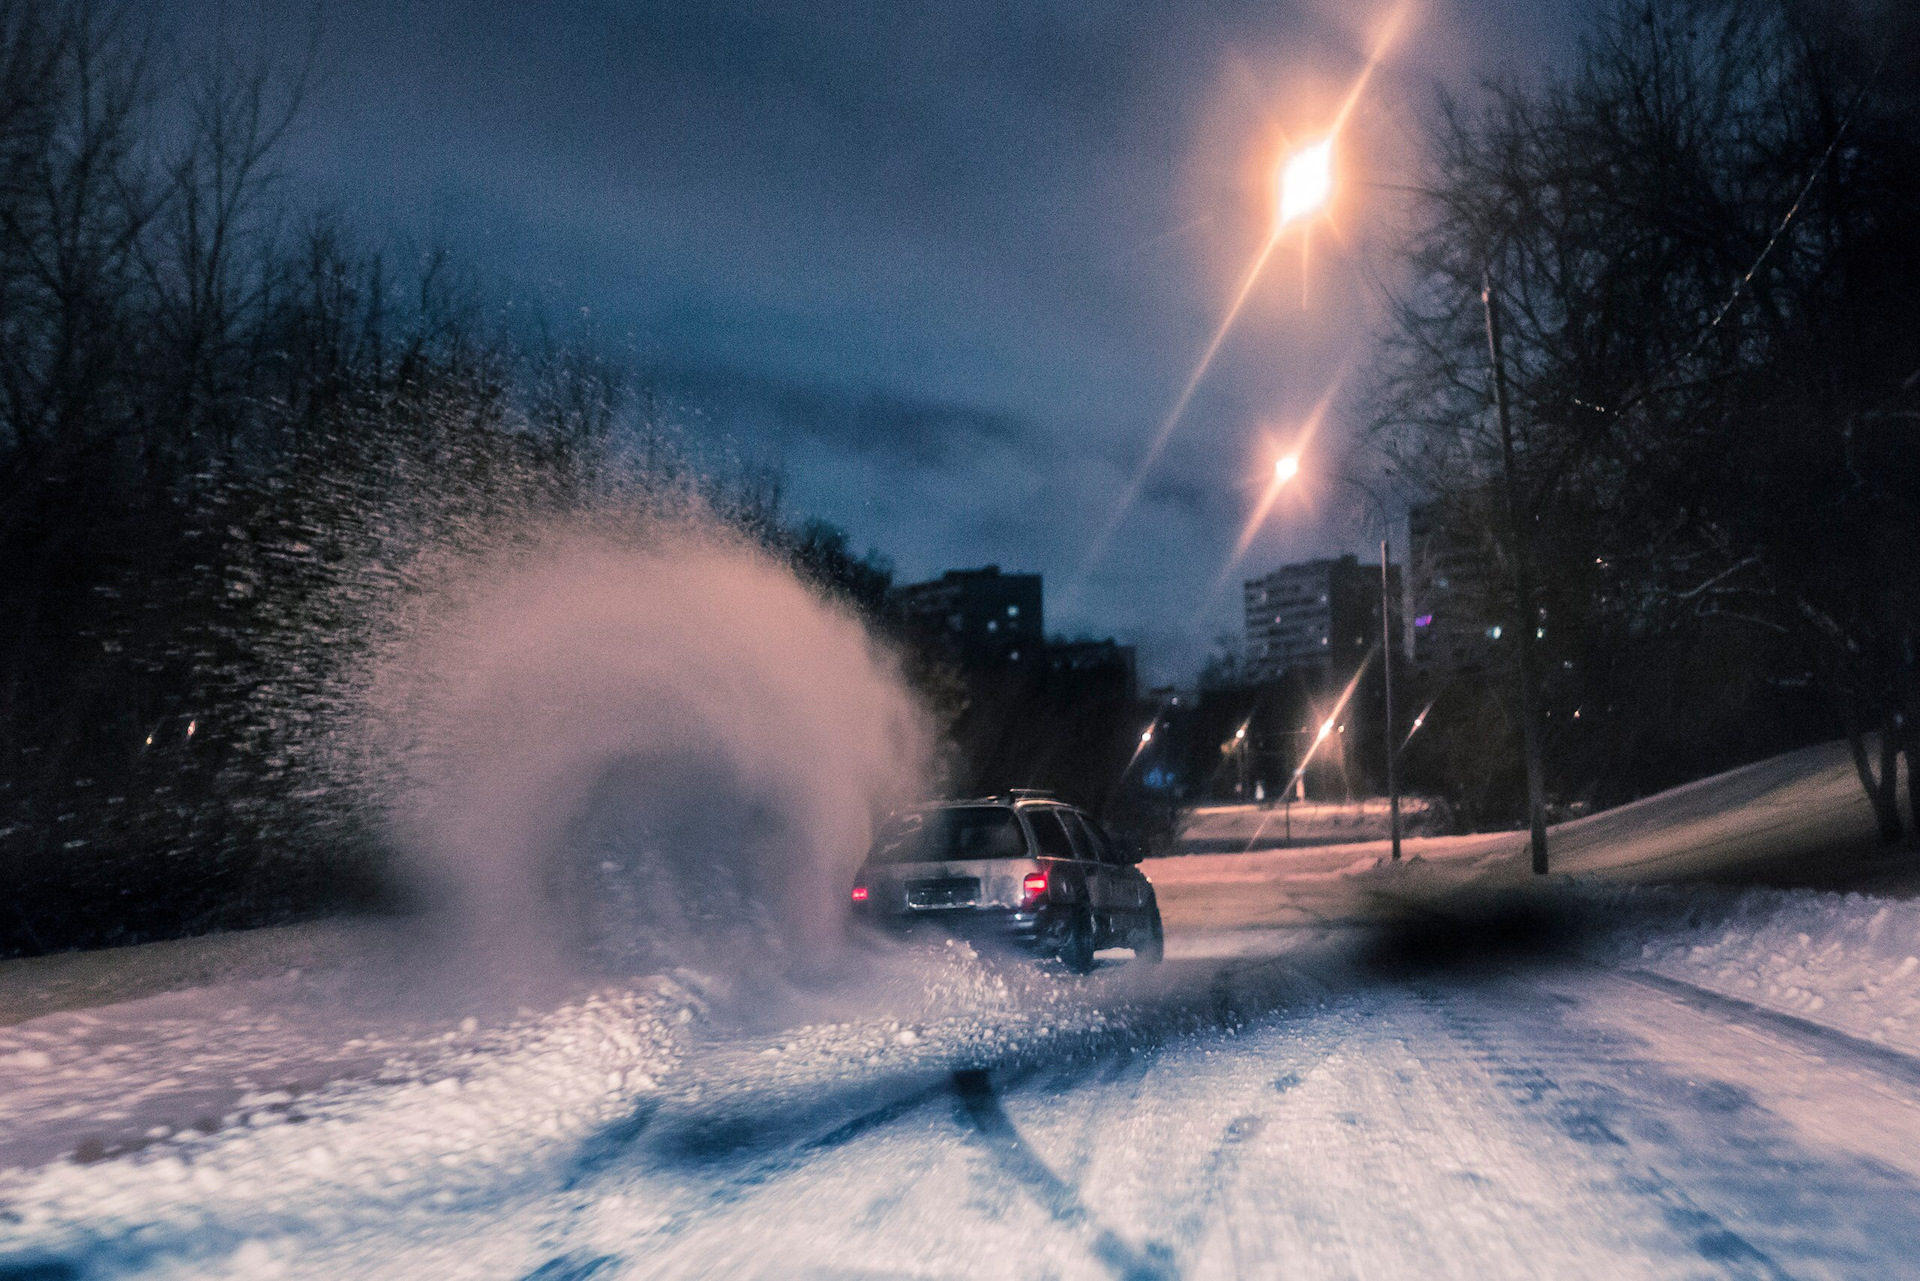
x=1285 y=468
x=1306 y=182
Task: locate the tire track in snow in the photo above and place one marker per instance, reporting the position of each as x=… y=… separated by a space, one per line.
x=1820 y=1037
x=1056 y=1196
x=1723 y=1172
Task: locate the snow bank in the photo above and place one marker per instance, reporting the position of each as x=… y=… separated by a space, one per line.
x=428 y=1131
x=1849 y=961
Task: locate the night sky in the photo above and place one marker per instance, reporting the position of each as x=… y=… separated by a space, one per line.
x=946 y=267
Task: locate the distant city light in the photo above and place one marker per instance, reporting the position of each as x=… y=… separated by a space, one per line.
x=1425 y=620
x=1493 y=632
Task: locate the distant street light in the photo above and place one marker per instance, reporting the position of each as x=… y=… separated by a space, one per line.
x=1306 y=182
x=1285 y=468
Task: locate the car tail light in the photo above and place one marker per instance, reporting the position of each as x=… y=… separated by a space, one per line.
x=1033 y=886
x=859 y=893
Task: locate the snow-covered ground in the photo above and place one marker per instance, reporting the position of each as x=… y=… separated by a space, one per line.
x=1289 y=1093
x=1238 y=829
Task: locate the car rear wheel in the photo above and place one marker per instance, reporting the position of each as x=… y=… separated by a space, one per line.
x=1151 y=943
x=1076 y=949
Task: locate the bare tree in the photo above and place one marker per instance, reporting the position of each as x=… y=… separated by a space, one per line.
x=1695 y=243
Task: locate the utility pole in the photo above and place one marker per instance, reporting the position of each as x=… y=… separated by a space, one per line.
x=1386 y=677
x=1522 y=589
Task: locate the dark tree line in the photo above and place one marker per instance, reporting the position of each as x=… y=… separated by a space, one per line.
x=1702 y=250
x=233 y=439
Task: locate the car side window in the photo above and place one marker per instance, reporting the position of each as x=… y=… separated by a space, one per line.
x=1049 y=832
x=1093 y=838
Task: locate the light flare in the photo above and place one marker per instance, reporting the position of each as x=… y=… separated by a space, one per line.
x=1146 y=740
x=1316 y=165
x=1418 y=721
x=1306 y=181
x=1131 y=495
x=1282 y=476
x=1326 y=726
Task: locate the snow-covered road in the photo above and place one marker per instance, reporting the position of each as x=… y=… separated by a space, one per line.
x=1300 y=1103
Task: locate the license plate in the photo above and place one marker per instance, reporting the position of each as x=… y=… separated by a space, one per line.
x=957 y=891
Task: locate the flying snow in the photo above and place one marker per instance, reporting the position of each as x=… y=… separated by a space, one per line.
x=658 y=754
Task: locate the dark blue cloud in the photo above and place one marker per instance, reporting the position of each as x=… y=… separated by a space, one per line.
x=946 y=265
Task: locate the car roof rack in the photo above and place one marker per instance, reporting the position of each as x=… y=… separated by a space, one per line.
x=1010 y=796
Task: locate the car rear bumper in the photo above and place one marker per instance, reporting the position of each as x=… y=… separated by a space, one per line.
x=993 y=925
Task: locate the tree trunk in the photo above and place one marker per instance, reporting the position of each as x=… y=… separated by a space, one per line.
x=1889 y=803
x=1907 y=738
x=1880 y=791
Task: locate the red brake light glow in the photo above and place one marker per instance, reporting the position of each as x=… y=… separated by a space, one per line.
x=1034 y=885
x=859 y=893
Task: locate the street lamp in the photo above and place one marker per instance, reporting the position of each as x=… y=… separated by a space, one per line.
x=1306 y=182
x=1386 y=665
x=1386 y=680
x=1240 y=744
x=1285 y=469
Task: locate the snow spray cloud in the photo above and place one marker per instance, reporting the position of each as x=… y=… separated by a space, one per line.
x=658 y=756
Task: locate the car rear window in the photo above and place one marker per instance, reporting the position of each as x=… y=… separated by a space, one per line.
x=1050 y=833
x=953 y=835
x=1092 y=837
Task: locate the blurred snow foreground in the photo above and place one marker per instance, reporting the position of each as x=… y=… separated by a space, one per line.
x=650 y=756
x=642 y=1115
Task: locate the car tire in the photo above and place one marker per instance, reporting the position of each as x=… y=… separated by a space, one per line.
x=1153 y=947
x=1076 y=950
